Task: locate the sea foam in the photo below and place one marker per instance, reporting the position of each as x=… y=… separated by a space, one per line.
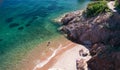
x=41 y=64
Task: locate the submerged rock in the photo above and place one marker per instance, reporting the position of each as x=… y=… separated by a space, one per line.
x=1 y=52
x=8 y=20
x=20 y=28
x=1 y=39
x=27 y=25
x=13 y=25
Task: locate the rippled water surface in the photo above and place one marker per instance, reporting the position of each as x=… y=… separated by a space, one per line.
x=26 y=23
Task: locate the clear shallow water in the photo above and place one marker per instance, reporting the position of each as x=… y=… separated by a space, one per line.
x=26 y=23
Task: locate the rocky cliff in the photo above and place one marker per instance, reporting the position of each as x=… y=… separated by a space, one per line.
x=100 y=34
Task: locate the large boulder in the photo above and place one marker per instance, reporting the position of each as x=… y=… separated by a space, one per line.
x=69 y=17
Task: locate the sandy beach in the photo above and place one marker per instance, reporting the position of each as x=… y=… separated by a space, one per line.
x=60 y=54
x=67 y=61
x=42 y=52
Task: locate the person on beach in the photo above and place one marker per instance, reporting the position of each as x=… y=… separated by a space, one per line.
x=48 y=43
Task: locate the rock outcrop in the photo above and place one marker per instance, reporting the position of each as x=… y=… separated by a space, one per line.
x=100 y=34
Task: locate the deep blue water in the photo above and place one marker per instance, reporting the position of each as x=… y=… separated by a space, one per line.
x=26 y=23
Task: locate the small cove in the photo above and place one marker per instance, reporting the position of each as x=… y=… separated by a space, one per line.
x=24 y=24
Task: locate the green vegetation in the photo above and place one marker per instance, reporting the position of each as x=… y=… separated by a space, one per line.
x=117 y=4
x=95 y=8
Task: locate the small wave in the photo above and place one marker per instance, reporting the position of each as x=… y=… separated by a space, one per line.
x=41 y=64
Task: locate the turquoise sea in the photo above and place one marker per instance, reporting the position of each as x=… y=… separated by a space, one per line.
x=26 y=23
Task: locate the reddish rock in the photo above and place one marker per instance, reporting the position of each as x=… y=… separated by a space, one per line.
x=70 y=16
x=80 y=64
x=105 y=61
x=100 y=34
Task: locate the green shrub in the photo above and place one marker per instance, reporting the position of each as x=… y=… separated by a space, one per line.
x=117 y=4
x=95 y=8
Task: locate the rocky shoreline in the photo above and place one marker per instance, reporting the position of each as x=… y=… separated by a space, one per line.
x=100 y=34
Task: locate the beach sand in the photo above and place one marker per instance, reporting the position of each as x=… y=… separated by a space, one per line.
x=61 y=53
x=67 y=61
x=42 y=52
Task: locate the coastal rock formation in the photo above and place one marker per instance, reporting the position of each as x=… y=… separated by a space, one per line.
x=70 y=16
x=80 y=64
x=100 y=34
x=105 y=61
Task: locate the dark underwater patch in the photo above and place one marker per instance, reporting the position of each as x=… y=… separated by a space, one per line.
x=13 y=25
x=27 y=25
x=20 y=28
x=1 y=52
x=32 y=20
x=8 y=20
x=42 y=12
x=1 y=40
